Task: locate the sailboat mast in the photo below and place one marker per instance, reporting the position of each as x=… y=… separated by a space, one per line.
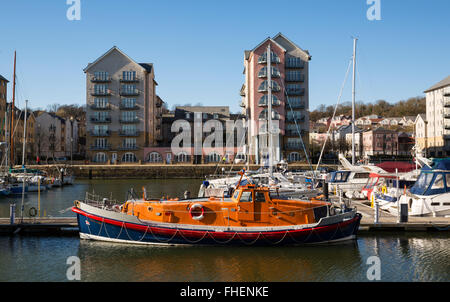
x=23 y=158
x=269 y=107
x=13 y=106
x=353 y=100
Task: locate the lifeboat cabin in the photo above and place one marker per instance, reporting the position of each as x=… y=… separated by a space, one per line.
x=248 y=206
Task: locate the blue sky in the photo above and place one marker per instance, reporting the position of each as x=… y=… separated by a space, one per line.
x=197 y=46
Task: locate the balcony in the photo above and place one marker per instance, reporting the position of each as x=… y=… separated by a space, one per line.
x=128 y=147
x=129 y=92
x=274 y=59
x=447 y=115
x=295 y=91
x=447 y=127
x=100 y=147
x=129 y=121
x=294 y=132
x=104 y=79
x=293 y=119
x=100 y=107
x=295 y=106
x=242 y=104
x=446 y=92
x=101 y=92
x=128 y=107
x=100 y=133
x=129 y=79
x=129 y=133
x=100 y=120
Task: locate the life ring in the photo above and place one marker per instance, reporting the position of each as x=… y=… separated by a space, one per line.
x=32 y=212
x=193 y=209
x=384 y=190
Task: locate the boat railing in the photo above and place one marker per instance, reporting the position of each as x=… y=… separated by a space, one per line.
x=99 y=201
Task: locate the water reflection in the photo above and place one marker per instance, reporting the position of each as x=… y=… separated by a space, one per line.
x=148 y=263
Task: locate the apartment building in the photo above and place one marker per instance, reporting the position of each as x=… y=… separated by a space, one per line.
x=206 y=138
x=438 y=118
x=3 y=106
x=290 y=97
x=421 y=134
x=55 y=137
x=18 y=132
x=379 y=141
x=123 y=111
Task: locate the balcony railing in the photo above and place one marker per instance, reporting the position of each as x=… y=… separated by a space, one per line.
x=129 y=79
x=100 y=107
x=129 y=121
x=100 y=147
x=95 y=119
x=447 y=127
x=290 y=63
x=295 y=105
x=447 y=115
x=295 y=91
x=128 y=107
x=101 y=92
x=100 y=133
x=292 y=119
x=447 y=103
x=129 y=133
x=105 y=79
x=129 y=92
x=294 y=132
x=129 y=147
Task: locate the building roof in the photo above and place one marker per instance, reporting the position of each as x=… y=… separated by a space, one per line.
x=422 y=116
x=444 y=83
x=146 y=66
x=3 y=79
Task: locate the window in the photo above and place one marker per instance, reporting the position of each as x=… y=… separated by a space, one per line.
x=236 y=194
x=154 y=157
x=294 y=76
x=101 y=75
x=438 y=182
x=273 y=58
x=129 y=89
x=128 y=116
x=129 y=129
x=263 y=86
x=294 y=157
x=246 y=196
x=129 y=143
x=129 y=158
x=264 y=115
x=263 y=101
x=101 y=88
x=294 y=62
x=187 y=115
x=448 y=181
x=263 y=72
x=128 y=102
x=259 y=196
x=100 y=158
x=182 y=157
x=101 y=102
x=129 y=75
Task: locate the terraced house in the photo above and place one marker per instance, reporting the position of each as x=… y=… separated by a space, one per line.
x=123 y=112
x=290 y=101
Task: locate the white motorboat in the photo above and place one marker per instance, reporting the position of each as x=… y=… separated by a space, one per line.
x=430 y=195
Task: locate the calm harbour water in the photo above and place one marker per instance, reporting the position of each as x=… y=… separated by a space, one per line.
x=403 y=257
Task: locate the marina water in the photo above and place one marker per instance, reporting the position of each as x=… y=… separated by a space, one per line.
x=402 y=256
